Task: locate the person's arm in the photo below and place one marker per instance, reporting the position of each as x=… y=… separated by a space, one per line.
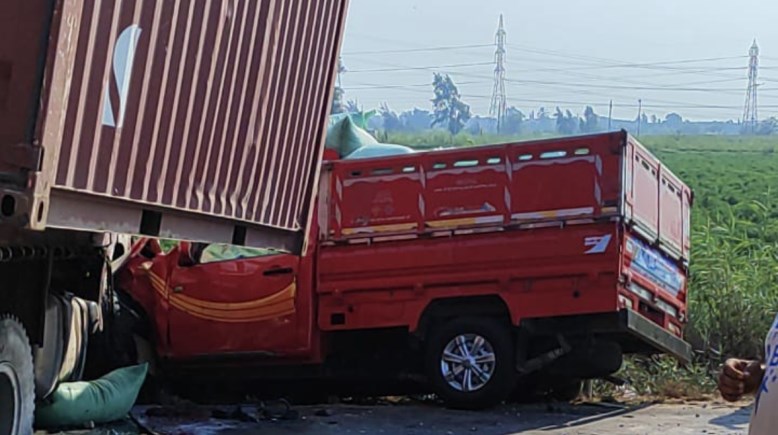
x=740 y=377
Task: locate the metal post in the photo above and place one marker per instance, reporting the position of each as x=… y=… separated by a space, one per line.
x=499 y=105
x=640 y=115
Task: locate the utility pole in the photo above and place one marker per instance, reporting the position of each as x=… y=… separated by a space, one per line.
x=499 y=104
x=640 y=115
x=610 y=115
x=341 y=70
x=338 y=92
x=750 y=110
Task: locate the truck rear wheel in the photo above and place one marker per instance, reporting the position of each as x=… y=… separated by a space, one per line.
x=469 y=362
x=17 y=396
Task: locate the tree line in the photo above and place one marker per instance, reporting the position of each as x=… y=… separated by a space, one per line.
x=450 y=113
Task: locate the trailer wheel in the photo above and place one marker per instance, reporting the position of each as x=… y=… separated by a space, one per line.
x=469 y=362
x=17 y=394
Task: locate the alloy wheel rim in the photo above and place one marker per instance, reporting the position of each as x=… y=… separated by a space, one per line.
x=468 y=362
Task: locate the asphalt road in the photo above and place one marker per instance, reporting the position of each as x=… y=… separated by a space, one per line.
x=422 y=419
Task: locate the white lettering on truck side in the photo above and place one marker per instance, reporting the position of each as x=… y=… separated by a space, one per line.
x=123 y=61
x=598 y=244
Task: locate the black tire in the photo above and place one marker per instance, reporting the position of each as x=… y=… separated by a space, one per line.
x=503 y=377
x=17 y=385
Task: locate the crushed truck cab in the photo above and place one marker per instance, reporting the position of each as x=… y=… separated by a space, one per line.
x=478 y=268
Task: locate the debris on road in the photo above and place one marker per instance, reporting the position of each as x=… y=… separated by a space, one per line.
x=416 y=419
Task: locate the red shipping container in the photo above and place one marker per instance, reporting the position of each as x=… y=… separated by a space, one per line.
x=196 y=120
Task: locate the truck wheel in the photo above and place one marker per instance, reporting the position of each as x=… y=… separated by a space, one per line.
x=17 y=396
x=469 y=363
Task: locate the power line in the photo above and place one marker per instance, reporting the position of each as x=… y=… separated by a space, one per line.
x=417 y=68
x=667 y=105
x=398 y=68
x=586 y=83
x=630 y=87
x=360 y=86
x=566 y=86
x=580 y=86
x=669 y=71
x=684 y=87
x=417 y=50
x=611 y=63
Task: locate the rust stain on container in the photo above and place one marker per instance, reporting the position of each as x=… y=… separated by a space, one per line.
x=209 y=107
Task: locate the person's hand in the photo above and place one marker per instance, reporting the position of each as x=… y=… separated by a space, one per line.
x=739 y=377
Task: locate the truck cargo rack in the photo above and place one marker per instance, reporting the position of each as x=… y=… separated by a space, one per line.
x=537 y=184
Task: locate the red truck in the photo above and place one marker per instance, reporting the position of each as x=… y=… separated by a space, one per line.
x=183 y=119
x=475 y=268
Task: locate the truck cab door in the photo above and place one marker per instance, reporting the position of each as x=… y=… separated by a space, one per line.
x=234 y=300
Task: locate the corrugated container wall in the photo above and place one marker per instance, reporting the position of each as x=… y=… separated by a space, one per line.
x=199 y=119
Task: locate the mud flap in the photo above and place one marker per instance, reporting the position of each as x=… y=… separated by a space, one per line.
x=654 y=335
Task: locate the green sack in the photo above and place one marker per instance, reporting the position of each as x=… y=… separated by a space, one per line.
x=345 y=137
x=217 y=252
x=104 y=400
x=379 y=150
x=360 y=119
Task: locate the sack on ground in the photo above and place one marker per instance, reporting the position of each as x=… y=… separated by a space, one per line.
x=104 y=400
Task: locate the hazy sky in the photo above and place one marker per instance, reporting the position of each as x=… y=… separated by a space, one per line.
x=566 y=53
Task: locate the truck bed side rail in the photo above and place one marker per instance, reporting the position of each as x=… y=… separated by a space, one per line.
x=519 y=184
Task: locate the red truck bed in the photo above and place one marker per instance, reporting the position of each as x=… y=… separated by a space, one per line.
x=560 y=227
x=528 y=185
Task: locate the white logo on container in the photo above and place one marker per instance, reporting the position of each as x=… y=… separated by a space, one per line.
x=123 y=60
